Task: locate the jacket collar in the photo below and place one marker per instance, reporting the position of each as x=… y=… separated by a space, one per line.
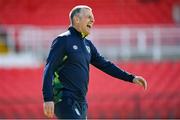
x=74 y=31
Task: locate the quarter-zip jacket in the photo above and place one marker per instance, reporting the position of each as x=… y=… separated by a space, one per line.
x=69 y=57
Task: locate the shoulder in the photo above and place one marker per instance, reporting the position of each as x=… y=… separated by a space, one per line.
x=61 y=38
x=65 y=34
x=68 y=35
x=59 y=41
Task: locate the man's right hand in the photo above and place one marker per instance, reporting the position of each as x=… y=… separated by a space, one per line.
x=49 y=109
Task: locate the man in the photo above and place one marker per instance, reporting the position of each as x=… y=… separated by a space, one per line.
x=66 y=73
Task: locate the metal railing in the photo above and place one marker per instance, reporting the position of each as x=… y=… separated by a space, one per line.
x=114 y=42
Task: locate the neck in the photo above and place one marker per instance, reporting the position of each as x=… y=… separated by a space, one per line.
x=79 y=30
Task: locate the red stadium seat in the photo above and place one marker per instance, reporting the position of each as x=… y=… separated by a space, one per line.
x=119 y=12
x=21 y=96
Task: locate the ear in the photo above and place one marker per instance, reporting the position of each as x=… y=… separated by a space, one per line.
x=76 y=19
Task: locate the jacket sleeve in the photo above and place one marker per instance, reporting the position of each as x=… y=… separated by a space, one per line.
x=54 y=60
x=106 y=66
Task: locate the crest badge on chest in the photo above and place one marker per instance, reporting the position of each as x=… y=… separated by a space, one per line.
x=88 y=49
x=75 y=47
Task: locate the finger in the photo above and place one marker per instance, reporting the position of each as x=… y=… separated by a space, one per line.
x=139 y=83
x=45 y=113
x=45 y=110
x=48 y=111
x=51 y=111
x=145 y=85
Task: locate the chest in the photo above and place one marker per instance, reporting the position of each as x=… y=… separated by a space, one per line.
x=78 y=51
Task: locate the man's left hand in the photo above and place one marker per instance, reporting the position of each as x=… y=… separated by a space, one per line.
x=140 y=81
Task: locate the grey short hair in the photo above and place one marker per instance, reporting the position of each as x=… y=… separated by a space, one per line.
x=76 y=10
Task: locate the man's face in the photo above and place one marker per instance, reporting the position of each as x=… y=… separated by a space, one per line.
x=86 y=20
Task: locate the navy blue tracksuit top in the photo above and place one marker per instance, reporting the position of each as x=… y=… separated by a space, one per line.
x=70 y=56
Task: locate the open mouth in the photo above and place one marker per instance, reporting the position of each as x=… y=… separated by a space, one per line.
x=89 y=26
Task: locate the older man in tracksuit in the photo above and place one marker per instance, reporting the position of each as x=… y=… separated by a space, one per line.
x=66 y=73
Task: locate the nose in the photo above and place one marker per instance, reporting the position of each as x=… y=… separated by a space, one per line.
x=92 y=20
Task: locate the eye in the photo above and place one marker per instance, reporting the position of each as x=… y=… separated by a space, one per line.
x=89 y=17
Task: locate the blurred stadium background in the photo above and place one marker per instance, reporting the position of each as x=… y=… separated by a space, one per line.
x=141 y=36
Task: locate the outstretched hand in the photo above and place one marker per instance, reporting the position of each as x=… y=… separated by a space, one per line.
x=140 y=81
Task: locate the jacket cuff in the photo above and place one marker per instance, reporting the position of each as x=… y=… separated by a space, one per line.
x=131 y=77
x=48 y=99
